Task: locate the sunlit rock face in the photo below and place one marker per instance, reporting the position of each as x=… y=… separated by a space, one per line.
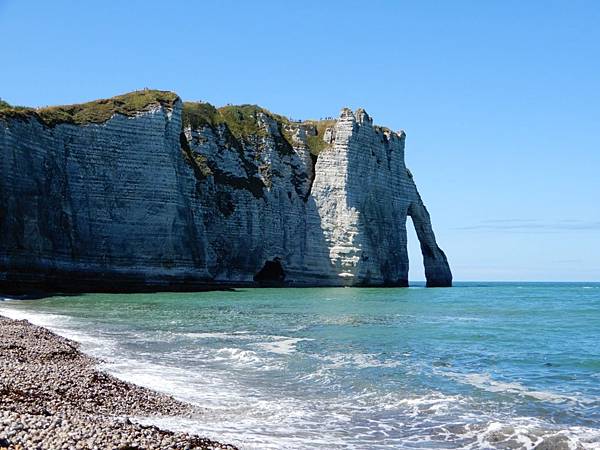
x=148 y=201
x=364 y=192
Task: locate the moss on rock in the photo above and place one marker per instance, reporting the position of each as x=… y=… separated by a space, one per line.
x=242 y=121
x=9 y=111
x=315 y=142
x=199 y=114
x=197 y=162
x=97 y=111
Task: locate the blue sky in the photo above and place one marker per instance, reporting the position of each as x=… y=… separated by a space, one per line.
x=500 y=99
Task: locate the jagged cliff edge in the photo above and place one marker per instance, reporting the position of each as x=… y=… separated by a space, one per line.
x=145 y=192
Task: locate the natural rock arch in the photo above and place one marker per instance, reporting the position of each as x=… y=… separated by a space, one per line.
x=437 y=270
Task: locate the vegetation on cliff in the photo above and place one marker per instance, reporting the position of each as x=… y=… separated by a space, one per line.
x=199 y=114
x=242 y=121
x=196 y=161
x=315 y=142
x=10 y=111
x=97 y=111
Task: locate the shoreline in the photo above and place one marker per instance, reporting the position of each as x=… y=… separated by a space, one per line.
x=52 y=395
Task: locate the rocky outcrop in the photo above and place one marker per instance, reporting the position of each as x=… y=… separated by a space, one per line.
x=364 y=193
x=162 y=195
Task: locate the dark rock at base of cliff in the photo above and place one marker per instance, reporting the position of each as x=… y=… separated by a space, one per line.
x=37 y=284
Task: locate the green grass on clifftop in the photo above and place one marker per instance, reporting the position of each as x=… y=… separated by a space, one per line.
x=315 y=143
x=97 y=111
x=100 y=111
x=197 y=115
x=243 y=123
x=242 y=120
x=10 y=111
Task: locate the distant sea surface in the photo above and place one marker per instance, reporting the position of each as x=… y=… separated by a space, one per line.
x=479 y=365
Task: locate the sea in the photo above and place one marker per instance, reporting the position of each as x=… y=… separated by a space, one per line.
x=478 y=365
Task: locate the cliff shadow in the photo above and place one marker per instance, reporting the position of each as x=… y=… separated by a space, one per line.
x=315 y=257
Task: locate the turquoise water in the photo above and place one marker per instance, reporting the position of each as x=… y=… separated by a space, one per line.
x=473 y=366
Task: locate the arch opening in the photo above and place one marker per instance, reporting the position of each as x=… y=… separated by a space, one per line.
x=416 y=266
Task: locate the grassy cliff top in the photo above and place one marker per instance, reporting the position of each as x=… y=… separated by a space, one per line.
x=96 y=111
x=315 y=142
x=10 y=111
x=242 y=122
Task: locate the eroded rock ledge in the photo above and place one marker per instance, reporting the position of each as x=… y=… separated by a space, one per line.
x=145 y=192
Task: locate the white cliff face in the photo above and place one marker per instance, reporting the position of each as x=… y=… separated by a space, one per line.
x=133 y=203
x=257 y=207
x=97 y=202
x=364 y=193
x=341 y=223
x=362 y=201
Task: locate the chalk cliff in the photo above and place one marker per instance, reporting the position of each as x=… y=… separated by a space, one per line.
x=143 y=191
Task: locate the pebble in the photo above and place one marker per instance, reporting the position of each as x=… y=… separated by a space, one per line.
x=52 y=396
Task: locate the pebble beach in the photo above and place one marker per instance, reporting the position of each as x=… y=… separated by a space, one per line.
x=52 y=396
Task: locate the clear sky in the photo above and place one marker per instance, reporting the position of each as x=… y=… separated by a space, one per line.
x=500 y=100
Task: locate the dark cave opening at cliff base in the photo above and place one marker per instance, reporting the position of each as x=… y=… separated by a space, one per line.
x=271 y=274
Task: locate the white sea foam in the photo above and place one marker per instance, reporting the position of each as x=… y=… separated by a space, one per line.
x=209 y=390
x=218 y=335
x=487 y=383
x=92 y=343
x=357 y=361
x=35 y=318
x=239 y=356
x=281 y=345
x=527 y=433
x=292 y=424
x=258 y=416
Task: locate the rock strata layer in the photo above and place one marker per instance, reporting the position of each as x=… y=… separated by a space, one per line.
x=175 y=196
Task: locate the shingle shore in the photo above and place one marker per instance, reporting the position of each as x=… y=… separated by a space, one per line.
x=53 y=397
